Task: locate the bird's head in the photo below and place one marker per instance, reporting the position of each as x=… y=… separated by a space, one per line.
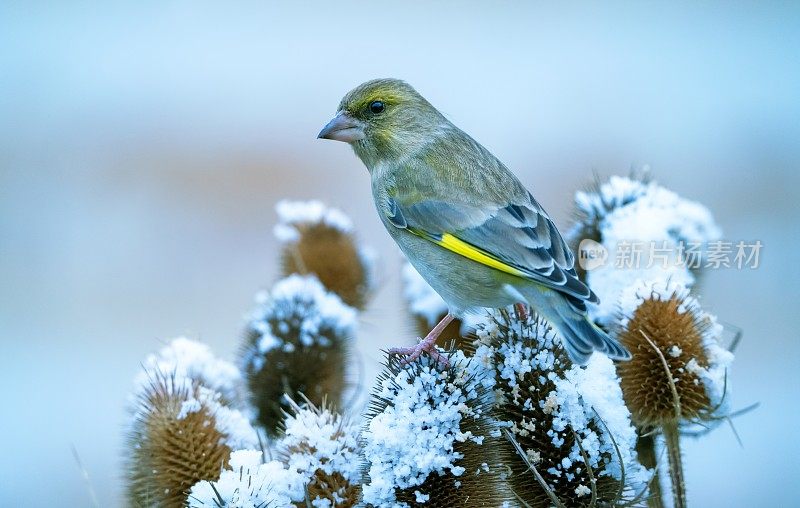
x=383 y=120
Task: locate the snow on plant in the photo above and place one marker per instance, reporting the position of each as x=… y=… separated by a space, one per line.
x=181 y=433
x=427 y=440
x=186 y=358
x=319 y=240
x=249 y=482
x=297 y=341
x=292 y=215
x=322 y=446
x=235 y=428
x=299 y=311
x=680 y=370
x=509 y=420
x=627 y=216
x=569 y=421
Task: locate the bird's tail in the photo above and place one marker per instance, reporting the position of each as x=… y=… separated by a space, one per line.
x=581 y=337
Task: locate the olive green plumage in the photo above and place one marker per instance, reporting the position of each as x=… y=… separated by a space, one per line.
x=465 y=222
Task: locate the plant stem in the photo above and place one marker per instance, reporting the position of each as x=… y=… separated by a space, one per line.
x=672 y=440
x=646 y=450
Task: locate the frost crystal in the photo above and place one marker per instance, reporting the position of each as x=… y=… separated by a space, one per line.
x=294 y=213
x=249 y=483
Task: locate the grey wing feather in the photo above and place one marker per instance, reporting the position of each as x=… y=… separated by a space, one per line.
x=520 y=235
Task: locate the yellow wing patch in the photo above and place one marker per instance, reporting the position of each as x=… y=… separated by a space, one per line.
x=462 y=248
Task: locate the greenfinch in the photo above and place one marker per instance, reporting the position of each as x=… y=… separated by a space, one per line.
x=462 y=219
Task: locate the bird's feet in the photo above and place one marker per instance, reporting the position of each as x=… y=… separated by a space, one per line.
x=522 y=311
x=425 y=345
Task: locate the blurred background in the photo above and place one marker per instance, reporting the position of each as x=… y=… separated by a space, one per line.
x=143 y=146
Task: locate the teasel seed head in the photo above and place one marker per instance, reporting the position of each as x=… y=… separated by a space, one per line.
x=564 y=422
x=678 y=372
x=320 y=240
x=429 y=438
x=181 y=434
x=183 y=357
x=322 y=446
x=296 y=343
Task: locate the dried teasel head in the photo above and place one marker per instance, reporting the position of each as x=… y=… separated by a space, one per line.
x=297 y=342
x=319 y=240
x=429 y=438
x=678 y=372
x=322 y=446
x=570 y=439
x=181 y=434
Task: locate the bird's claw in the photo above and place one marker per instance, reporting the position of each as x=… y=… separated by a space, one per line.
x=414 y=352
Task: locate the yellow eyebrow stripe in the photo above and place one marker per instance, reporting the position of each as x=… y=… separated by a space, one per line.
x=462 y=248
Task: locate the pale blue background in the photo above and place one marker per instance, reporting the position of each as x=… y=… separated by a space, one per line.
x=143 y=145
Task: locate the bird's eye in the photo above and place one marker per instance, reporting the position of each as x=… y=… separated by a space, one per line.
x=376 y=107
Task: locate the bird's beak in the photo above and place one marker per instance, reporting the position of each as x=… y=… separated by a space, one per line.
x=343 y=127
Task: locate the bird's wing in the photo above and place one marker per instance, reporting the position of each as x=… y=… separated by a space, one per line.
x=519 y=239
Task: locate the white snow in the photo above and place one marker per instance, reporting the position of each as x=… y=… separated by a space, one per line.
x=658 y=289
x=189 y=406
x=294 y=213
x=716 y=377
x=632 y=216
x=301 y=301
x=249 y=483
x=321 y=440
x=191 y=359
x=586 y=400
x=414 y=436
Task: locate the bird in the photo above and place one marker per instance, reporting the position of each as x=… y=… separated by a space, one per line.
x=463 y=219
